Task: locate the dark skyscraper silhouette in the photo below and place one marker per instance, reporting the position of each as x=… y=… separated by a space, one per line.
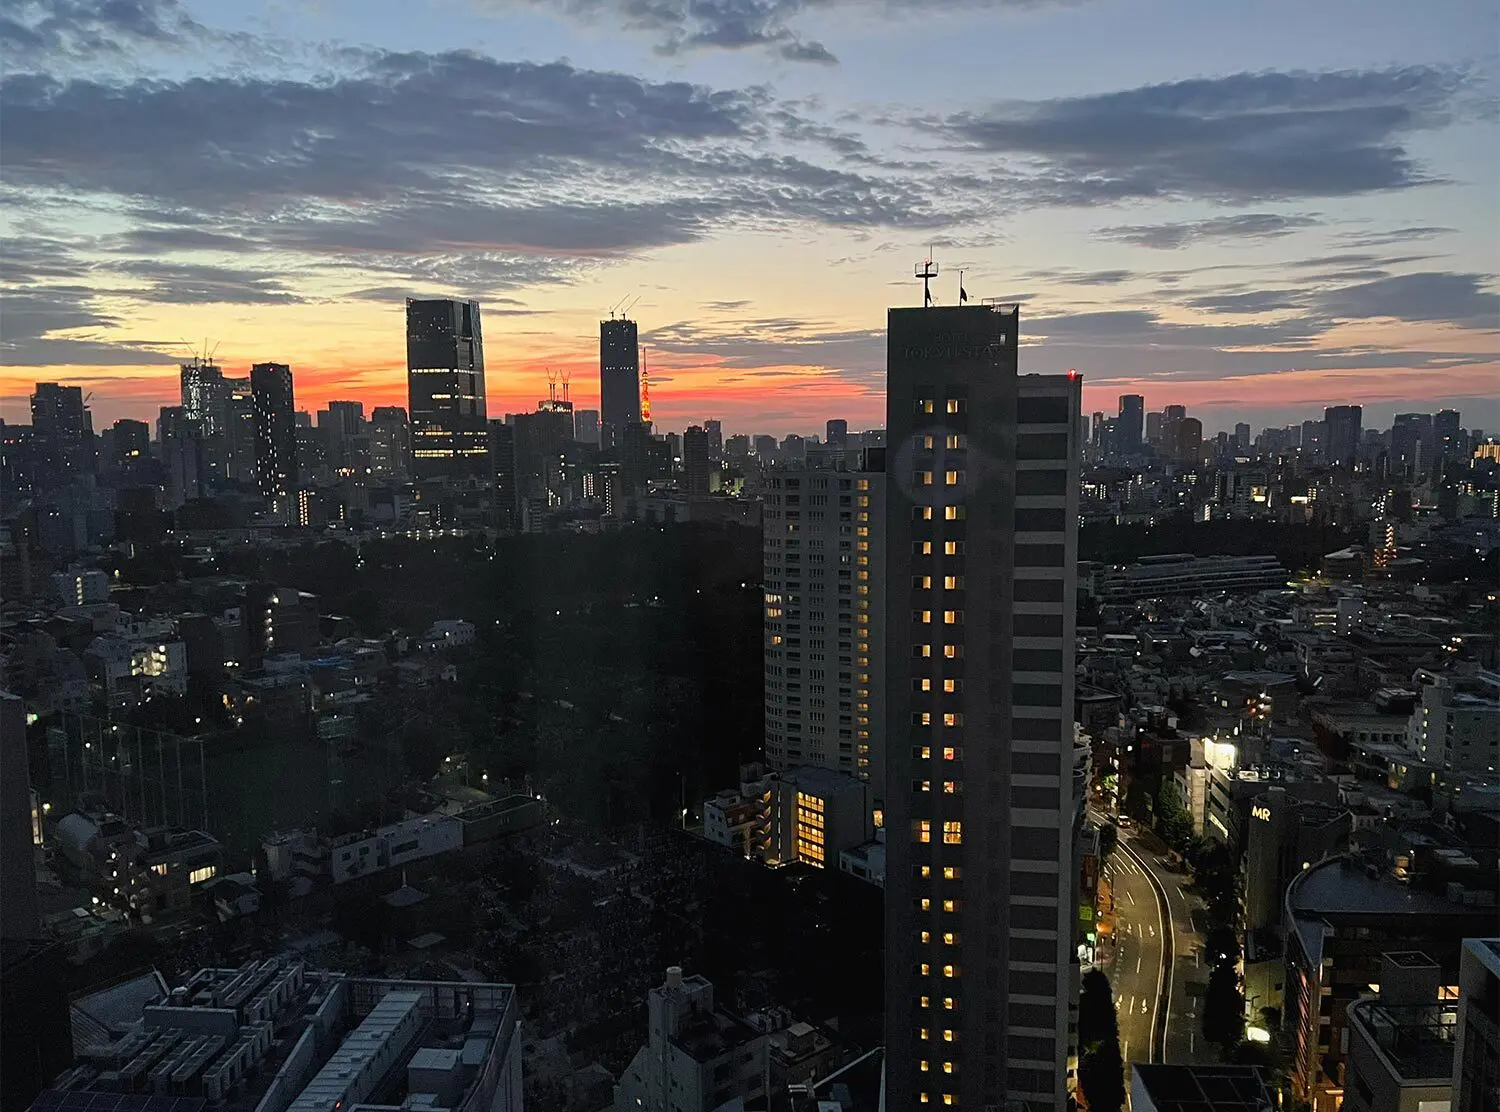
x=619 y=380
x=1132 y=422
x=64 y=433
x=836 y=434
x=275 y=432
x=1341 y=434
x=695 y=459
x=445 y=389
x=982 y=512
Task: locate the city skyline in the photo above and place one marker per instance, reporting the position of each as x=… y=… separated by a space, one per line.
x=1157 y=214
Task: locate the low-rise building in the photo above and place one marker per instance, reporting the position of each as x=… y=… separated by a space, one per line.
x=356 y=855
x=1185 y=574
x=697 y=1058
x=275 y=1036
x=1456 y=726
x=1162 y=1088
x=818 y=813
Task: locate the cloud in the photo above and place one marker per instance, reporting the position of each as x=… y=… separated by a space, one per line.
x=1240 y=138
x=1083 y=277
x=1393 y=236
x=38 y=321
x=1428 y=297
x=680 y=26
x=1249 y=225
x=531 y=169
x=84 y=30
x=190 y=284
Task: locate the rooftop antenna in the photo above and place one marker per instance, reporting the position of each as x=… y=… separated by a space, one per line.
x=565 y=376
x=551 y=385
x=927 y=270
x=963 y=294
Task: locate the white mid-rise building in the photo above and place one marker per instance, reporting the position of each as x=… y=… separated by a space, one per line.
x=696 y=1058
x=824 y=633
x=1456 y=724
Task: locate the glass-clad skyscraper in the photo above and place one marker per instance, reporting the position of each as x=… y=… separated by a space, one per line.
x=445 y=389
x=619 y=380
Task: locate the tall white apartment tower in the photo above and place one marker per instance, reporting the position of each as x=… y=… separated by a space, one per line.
x=824 y=631
x=981 y=584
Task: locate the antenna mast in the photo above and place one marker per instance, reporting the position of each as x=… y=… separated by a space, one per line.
x=927 y=270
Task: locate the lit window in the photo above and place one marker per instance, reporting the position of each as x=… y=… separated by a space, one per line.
x=927 y=443
x=955 y=405
x=926 y=871
x=198 y=876
x=955 y=440
x=923 y=616
x=947 y=1098
x=923 y=1066
x=921 y=582
x=950 y=971
x=953 y=583
x=921 y=785
x=924 y=830
x=951 y=753
x=924 y=969
x=921 y=513
x=924 y=405
x=953 y=478
x=953 y=617
x=953 y=548
x=951 y=872
x=924 y=548
x=924 y=904
x=923 y=1002
x=950 y=938
x=954 y=513
x=922 y=478
x=952 y=787
x=953 y=832
x=947 y=1067
x=923 y=684
x=923 y=1033
x=926 y=937
x=923 y=1098
x=921 y=718
x=952 y=719
x=953 y=652
x=922 y=650
x=921 y=752
x=951 y=686
x=948 y=1031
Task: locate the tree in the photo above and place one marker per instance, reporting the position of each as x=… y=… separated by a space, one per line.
x=1109 y=837
x=1101 y=1076
x=1097 y=1022
x=1101 y=1071
x=1224 y=1007
x=1172 y=818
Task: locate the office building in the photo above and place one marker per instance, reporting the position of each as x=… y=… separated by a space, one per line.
x=1447 y=436
x=62 y=434
x=696 y=463
x=1283 y=834
x=203 y=394
x=239 y=431
x=1130 y=424
x=445 y=389
x=765 y=448
x=836 y=435
x=981 y=514
x=1185 y=574
x=1401 y=1040
x=503 y=468
x=619 y=380
x=1476 y=1055
x=1241 y=436
x=737 y=448
x=1411 y=444
x=586 y=426
x=275 y=432
x=1342 y=434
x=824 y=623
x=715 y=431
x=390 y=441
x=346 y=439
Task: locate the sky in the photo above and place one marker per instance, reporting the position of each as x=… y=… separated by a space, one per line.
x=1254 y=210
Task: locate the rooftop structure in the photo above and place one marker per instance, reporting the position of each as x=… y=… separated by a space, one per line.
x=1162 y=1088
x=1184 y=574
x=275 y=1036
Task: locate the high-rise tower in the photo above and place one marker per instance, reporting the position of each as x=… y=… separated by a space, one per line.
x=619 y=380
x=275 y=432
x=981 y=519
x=445 y=389
x=1132 y=420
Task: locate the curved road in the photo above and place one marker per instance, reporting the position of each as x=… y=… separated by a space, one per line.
x=1156 y=967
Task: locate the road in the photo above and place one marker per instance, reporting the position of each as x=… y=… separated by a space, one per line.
x=1156 y=966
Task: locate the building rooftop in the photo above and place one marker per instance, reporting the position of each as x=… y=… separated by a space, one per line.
x=1205 y=1088
x=1415 y=1040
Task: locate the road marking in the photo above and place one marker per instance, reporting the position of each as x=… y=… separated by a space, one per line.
x=1164 y=971
x=1131 y=897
